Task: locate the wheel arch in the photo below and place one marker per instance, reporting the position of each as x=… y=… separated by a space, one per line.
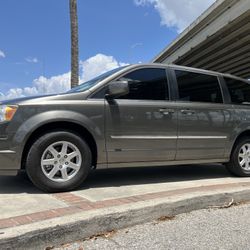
x=243 y=134
x=61 y=125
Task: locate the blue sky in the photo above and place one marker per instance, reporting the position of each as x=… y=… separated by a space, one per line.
x=35 y=37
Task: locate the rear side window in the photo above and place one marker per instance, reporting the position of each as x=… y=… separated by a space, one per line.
x=239 y=90
x=196 y=87
x=147 y=84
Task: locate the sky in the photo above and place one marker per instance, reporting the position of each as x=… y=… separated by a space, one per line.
x=35 y=38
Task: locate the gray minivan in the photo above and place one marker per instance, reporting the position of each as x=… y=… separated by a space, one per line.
x=137 y=115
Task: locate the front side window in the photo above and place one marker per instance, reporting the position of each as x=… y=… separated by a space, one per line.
x=239 y=90
x=147 y=84
x=197 y=87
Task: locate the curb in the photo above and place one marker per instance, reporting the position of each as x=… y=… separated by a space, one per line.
x=83 y=225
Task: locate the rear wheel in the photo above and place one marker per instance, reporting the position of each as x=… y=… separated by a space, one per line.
x=58 y=161
x=239 y=164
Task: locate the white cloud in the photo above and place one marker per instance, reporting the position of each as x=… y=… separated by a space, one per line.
x=179 y=14
x=2 y=54
x=57 y=84
x=31 y=60
x=97 y=65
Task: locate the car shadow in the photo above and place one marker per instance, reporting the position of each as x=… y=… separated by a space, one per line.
x=124 y=177
x=151 y=175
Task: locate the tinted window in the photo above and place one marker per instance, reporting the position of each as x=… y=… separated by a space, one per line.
x=239 y=91
x=147 y=84
x=196 y=87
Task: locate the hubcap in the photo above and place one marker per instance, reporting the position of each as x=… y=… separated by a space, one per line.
x=61 y=161
x=244 y=157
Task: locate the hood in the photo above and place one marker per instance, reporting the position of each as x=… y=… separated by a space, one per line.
x=44 y=98
x=19 y=100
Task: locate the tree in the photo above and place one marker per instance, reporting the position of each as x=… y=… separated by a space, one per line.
x=74 y=44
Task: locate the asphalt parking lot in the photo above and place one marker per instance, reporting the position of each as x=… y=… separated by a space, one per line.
x=212 y=229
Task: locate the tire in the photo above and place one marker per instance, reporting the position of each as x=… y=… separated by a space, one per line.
x=234 y=166
x=69 y=170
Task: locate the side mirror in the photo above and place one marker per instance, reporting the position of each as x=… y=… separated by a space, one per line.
x=117 y=88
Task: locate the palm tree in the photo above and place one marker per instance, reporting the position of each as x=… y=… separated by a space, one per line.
x=74 y=44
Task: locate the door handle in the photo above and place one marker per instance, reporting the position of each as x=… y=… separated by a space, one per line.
x=187 y=111
x=166 y=111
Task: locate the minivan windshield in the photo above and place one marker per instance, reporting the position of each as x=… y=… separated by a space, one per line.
x=91 y=83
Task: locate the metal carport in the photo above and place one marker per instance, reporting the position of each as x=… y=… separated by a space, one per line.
x=218 y=40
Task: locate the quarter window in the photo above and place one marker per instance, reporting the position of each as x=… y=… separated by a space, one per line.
x=147 y=84
x=239 y=90
x=196 y=87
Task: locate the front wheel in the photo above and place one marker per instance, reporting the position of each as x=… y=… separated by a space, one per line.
x=58 y=161
x=239 y=164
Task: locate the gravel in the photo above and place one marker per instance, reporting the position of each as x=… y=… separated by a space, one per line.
x=205 y=229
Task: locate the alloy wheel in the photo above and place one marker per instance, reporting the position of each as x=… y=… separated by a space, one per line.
x=61 y=161
x=244 y=156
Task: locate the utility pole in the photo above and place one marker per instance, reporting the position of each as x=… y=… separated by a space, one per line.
x=74 y=44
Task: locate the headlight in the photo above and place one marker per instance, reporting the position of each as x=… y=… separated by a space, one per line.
x=7 y=112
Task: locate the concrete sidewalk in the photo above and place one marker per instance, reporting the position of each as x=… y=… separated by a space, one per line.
x=110 y=199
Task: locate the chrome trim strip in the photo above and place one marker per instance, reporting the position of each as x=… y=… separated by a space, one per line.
x=7 y=152
x=165 y=137
x=139 y=149
x=143 y=137
x=202 y=137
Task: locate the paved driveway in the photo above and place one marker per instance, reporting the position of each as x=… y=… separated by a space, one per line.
x=24 y=209
x=101 y=179
x=19 y=197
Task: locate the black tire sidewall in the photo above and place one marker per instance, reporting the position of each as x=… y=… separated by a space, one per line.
x=235 y=165
x=33 y=163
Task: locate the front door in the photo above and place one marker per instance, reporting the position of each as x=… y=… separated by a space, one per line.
x=142 y=125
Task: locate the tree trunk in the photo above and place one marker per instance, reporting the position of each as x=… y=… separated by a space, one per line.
x=74 y=44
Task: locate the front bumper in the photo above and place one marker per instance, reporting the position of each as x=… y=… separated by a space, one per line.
x=10 y=149
x=8 y=163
